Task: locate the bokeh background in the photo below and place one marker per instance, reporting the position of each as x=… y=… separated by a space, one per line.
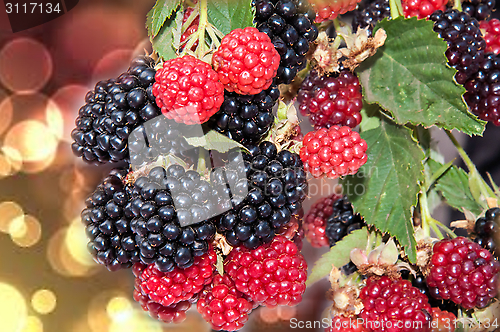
x=48 y=281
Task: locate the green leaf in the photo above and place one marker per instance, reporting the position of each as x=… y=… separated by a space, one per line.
x=339 y=255
x=409 y=77
x=454 y=186
x=227 y=15
x=370 y=117
x=165 y=42
x=162 y=10
x=385 y=189
x=214 y=140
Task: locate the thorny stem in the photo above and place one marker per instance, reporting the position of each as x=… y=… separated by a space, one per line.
x=483 y=187
x=428 y=221
x=200 y=51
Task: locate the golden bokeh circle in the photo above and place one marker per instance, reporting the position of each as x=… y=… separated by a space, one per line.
x=33 y=140
x=44 y=301
x=9 y=211
x=25 y=231
x=33 y=324
x=13 y=309
x=76 y=241
x=25 y=65
x=119 y=309
x=6 y=113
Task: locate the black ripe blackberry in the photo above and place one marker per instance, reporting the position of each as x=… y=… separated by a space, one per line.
x=112 y=110
x=485 y=229
x=371 y=15
x=290 y=25
x=276 y=184
x=482 y=89
x=107 y=223
x=172 y=222
x=246 y=119
x=466 y=46
x=479 y=9
x=342 y=221
x=446 y=305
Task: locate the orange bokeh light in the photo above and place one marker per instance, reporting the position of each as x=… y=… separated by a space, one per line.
x=25 y=65
x=111 y=65
x=68 y=99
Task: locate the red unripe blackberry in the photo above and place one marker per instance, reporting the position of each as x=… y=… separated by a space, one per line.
x=178 y=285
x=462 y=271
x=113 y=109
x=345 y=324
x=371 y=15
x=315 y=221
x=394 y=305
x=193 y=27
x=107 y=219
x=422 y=8
x=442 y=321
x=479 y=9
x=174 y=313
x=273 y=274
x=330 y=9
x=246 y=61
x=188 y=90
x=223 y=306
x=491 y=32
x=290 y=26
x=485 y=229
x=333 y=152
x=466 y=45
x=329 y=101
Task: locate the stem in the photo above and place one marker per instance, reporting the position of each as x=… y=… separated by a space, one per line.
x=437 y=175
x=483 y=187
x=424 y=213
x=446 y=229
x=396 y=8
x=457 y=4
x=200 y=51
x=437 y=231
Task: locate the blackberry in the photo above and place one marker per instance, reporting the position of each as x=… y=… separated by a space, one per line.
x=290 y=25
x=277 y=186
x=482 y=88
x=112 y=110
x=107 y=223
x=331 y=100
x=371 y=15
x=446 y=305
x=485 y=229
x=342 y=221
x=246 y=119
x=466 y=46
x=172 y=209
x=479 y=9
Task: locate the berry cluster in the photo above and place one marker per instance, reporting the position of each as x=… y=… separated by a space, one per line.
x=479 y=9
x=112 y=111
x=315 y=221
x=333 y=152
x=188 y=90
x=107 y=219
x=466 y=46
x=246 y=61
x=393 y=301
x=331 y=101
x=481 y=90
x=422 y=8
x=442 y=321
x=445 y=305
x=491 y=30
x=330 y=9
x=246 y=119
x=462 y=271
x=342 y=221
x=290 y=26
x=371 y=15
x=273 y=274
x=277 y=186
x=485 y=229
